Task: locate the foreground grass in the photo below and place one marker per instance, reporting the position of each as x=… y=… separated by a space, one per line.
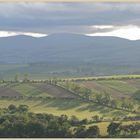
x=65 y=106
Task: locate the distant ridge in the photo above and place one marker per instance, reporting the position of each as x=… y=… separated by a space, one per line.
x=66 y=47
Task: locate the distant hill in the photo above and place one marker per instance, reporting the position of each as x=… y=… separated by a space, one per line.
x=64 y=48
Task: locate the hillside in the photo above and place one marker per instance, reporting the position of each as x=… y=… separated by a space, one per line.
x=46 y=98
x=65 y=48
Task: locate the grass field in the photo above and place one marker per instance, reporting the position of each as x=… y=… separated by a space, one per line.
x=69 y=107
x=117 y=88
x=45 y=98
x=63 y=102
x=38 y=71
x=65 y=106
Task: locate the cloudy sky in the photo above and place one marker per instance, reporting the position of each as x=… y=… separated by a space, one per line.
x=93 y=19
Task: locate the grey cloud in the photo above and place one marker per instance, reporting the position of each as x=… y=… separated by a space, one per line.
x=66 y=17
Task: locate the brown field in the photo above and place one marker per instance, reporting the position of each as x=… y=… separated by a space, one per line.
x=104 y=89
x=116 y=88
x=54 y=91
x=8 y=92
x=133 y=82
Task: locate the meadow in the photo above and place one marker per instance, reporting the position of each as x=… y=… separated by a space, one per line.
x=45 y=97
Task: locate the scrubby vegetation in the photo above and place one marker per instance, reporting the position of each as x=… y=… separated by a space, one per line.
x=18 y=122
x=91 y=107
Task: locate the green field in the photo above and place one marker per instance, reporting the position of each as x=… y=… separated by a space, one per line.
x=38 y=71
x=51 y=99
x=117 y=88
x=65 y=106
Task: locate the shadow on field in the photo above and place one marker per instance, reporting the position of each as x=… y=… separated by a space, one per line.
x=66 y=104
x=60 y=104
x=119 y=113
x=94 y=107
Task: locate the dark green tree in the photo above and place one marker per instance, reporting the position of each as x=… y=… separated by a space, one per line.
x=80 y=132
x=93 y=132
x=113 y=129
x=23 y=108
x=12 y=108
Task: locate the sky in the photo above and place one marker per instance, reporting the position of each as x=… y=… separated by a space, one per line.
x=91 y=19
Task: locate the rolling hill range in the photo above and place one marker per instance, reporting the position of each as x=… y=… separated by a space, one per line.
x=64 y=48
x=68 y=55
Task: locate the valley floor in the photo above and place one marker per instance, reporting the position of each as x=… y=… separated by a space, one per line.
x=51 y=99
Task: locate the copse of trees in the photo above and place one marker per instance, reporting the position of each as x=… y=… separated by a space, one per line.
x=20 y=108
x=18 y=122
x=122 y=130
x=83 y=132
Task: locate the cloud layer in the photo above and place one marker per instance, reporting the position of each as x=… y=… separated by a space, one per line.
x=9 y=33
x=83 y=18
x=129 y=32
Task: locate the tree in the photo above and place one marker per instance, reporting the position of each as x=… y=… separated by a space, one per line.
x=25 y=78
x=87 y=93
x=136 y=127
x=93 y=132
x=99 y=98
x=114 y=103
x=80 y=132
x=96 y=118
x=23 y=108
x=76 y=88
x=113 y=129
x=106 y=99
x=125 y=104
x=12 y=108
x=35 y=129
x=63 y=118
x=74 y=120
x=57 y=130
x=16 y=78
x=131 y=105
x=130 y=129
x=125 y=129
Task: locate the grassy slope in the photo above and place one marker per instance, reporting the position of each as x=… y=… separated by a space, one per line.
x=74 y=107
x=65 y=106
x=118 y=88
x=29 y=90
x=71 y=107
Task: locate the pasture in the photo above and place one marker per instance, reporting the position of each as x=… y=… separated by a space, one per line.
x=47 y=98
x=117 y=88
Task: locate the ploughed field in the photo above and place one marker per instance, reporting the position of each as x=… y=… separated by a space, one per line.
x=129 y=88
x=33 y=90
x=123 y=88
x=54 y=91
x=7 y=90
x=48 y=98
x=53 y=99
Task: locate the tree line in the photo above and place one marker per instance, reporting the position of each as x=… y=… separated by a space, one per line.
x=102 y=99
x=19 y=122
